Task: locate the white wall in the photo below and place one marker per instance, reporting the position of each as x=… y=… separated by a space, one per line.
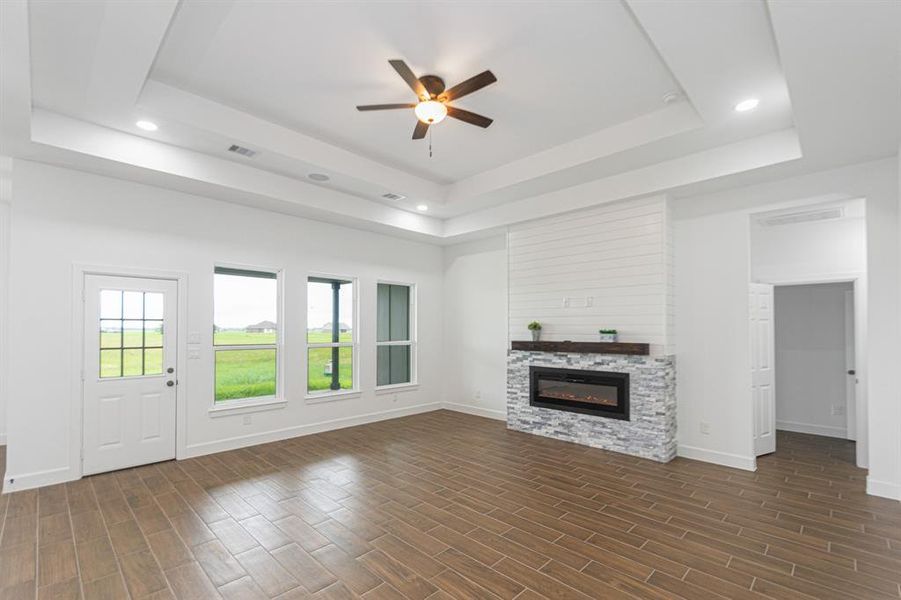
x=475 y=327
x=61 y=217
x=817 y=250
x=810 y=358
x=612 y=264
x=5 y=197
x=712 y=258
x=713 y=373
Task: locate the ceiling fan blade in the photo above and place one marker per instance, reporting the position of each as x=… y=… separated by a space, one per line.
x=469 y=86
x=384 y=106
x=419 y=130
x=469 y=117
x=407 y=74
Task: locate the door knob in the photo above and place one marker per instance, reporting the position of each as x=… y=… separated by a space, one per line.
x=170 y=383
x=170 y=370
x=852 y=372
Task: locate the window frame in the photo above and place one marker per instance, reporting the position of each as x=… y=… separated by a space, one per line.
x=354 y=344
x=273 y=400
x=412 y=342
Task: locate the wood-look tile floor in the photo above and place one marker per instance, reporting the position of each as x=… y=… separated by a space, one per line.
x=445 y=505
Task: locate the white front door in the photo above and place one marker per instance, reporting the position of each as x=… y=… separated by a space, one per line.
x=763 y=383
x=129 y=371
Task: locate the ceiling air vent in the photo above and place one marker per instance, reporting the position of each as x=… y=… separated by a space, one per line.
x=390 y=196
x=242 y=151
x=822 y=214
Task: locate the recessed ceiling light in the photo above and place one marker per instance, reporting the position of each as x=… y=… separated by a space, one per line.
x=422 y=207
x=147 y=125
x=318 y=177
x=746 y=105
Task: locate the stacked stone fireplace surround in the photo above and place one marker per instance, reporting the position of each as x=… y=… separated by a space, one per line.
x=650 y=431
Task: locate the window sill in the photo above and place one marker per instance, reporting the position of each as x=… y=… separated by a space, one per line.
x=238 y=407
x=397 y=387
x=332 y=396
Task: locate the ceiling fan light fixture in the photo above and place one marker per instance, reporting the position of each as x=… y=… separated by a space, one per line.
x=430 y=111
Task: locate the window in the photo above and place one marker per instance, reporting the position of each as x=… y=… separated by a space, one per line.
x=245 y=333
x=131 y=333
x=331 y=336
x=395 y=335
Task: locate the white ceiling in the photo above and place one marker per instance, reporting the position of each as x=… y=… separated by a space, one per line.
x=578 y=109
x=565 y=70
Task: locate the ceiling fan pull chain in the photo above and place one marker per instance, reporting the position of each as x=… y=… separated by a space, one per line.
x=430 y=142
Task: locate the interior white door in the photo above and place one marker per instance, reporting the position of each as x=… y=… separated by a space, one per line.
x=850 y=369
x=129 y=375
x=763 y=379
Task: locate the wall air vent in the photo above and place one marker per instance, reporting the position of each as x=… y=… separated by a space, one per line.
x=390 y=196
x=242 y=151
x=806 y=216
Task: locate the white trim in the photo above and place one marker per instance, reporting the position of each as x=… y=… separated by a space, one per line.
x=826 y=430
x=747 y=463
x=2 y=439
x=239 y=407
x=330 y=396
x=396 y=387
x=884 y=489
x=243 y=441
x=489 y=413
x=76 y=412
x=28 y=481
x=838 y=277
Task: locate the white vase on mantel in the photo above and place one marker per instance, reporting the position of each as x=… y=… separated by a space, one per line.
x=536 y=334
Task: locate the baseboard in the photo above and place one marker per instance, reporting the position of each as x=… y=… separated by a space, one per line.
x=824 y=430
x=500 y=415
x=747 y=463
x=243 y=441
x=884 y=489
x=27 y=481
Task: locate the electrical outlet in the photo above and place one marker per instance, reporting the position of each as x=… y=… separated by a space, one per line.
x=477 y=394
x=705 y=427
x=838 y=410
x=248 y=419
x=589 y=301
x=565 y=302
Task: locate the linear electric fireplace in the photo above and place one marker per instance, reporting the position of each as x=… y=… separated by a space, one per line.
x=600 y=393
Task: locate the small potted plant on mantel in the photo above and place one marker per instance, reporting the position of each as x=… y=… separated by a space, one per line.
x=608 y=335
x=535 y=328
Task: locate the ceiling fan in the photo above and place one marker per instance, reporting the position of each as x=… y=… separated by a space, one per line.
x=433 y=106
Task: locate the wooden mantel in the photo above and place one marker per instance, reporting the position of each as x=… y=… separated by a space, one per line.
x=584 y=347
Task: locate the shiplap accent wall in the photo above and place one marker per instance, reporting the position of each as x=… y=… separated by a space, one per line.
x=605 y=267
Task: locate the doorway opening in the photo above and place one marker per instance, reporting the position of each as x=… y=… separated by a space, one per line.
x=808 y=326
x=815 y=359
